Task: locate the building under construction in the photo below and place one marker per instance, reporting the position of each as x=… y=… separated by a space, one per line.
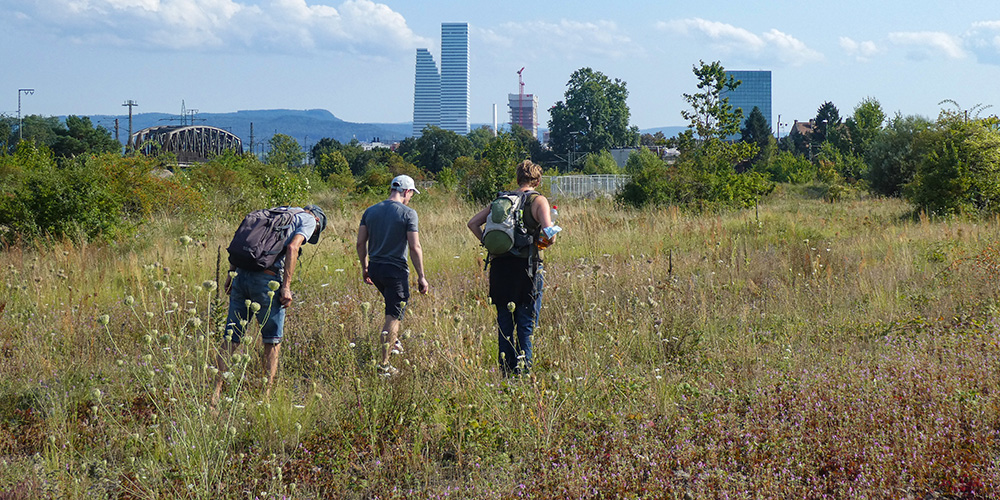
x=523 y=108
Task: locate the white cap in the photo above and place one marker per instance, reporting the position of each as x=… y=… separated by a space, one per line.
x=403 y=182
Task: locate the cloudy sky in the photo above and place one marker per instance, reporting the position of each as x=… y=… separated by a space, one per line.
x=355 y=58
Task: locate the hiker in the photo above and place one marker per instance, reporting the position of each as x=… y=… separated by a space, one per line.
x=249 y=287
x=387 y=230
x=516 y=275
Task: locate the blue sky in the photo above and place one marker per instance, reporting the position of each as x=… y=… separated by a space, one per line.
x=356 y=58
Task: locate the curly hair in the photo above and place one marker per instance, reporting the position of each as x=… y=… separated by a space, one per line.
x=528 y=173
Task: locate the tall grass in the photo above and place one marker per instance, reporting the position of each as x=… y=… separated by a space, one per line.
x=803 y=349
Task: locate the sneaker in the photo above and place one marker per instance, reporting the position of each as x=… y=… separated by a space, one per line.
x=386 y=371
x=397 y=348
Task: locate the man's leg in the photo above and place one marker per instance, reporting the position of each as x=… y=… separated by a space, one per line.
x=506 y=342
x=390 y=331
x=270 y=362
x=225 y=352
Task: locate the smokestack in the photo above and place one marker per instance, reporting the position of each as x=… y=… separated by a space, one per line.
x=494 y=119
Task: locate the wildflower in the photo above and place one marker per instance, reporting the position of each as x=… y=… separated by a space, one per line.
x=129 y=300
x=149 y=314
x=273 y=285
x=96 y=393
x=317 y=396
x=209 y=285
x=147 y=339
x=270 y=295
x=511 y=306
x=233 y=274
x=159 y=285
x=104 y=319
x=351 y=345
x=120 y=362
x=298 y=427
x=254 y=307
x=185 y=240
x=194 y=322
x=365 y=307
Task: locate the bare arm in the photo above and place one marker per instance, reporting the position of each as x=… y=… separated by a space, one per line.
x=362 y=246
x=541 y=212
x=417 y=257
x=476 y=223
x=291 y=259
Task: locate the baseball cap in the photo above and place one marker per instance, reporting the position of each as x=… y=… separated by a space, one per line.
x=318 y=212
x=403 y=182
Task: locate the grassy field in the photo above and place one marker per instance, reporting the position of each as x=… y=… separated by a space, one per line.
x=800 y=350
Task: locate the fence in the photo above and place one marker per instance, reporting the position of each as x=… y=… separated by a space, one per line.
x=577 y=186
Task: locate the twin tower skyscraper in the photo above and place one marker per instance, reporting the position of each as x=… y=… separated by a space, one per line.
x=441 y=98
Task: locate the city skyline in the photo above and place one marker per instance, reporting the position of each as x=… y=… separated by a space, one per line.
x=355 y=58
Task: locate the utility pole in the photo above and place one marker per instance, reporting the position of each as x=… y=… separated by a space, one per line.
x=251 y=139
x=131 y=104
x=20 y=134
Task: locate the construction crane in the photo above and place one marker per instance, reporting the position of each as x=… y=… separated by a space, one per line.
x=520 y=98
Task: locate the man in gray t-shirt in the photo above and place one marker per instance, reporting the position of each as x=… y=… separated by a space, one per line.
x=388 y=231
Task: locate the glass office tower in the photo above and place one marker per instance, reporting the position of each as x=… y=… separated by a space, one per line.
x=455 y=77
x=426 y=93
x=755 y=90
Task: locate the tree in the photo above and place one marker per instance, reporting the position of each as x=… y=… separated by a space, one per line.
x=437 y=148
x=757 y=131
x=711 y=115
x=284 y=151
x=79 y=136
x=864 y=124
x=594 y=115
x=827 y=117
x=334 y=169
x=600 y=163
x=480 y=137
x=894 y=154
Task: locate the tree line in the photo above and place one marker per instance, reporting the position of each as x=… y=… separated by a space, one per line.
x=71 y=177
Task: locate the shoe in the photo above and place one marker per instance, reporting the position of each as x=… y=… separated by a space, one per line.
x=386 y=371
x=397 y=348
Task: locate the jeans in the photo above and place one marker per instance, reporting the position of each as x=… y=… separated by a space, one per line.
x=515 y=350
x=253 y=286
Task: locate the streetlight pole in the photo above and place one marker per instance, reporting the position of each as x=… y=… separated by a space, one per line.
x=20 y=134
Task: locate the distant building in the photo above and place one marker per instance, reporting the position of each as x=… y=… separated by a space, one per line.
x=441 y=98
x=524 y=111
x=455 y=77
x=426 y=93
x=754 y=90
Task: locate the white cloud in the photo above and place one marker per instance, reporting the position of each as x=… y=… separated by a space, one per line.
x=568 y=38
x=924 y=44
x=729 y=39
x=284 y=25
x=983 y=39
x=862 y=51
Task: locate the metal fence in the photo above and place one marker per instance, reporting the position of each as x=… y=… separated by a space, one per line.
x=578 y=186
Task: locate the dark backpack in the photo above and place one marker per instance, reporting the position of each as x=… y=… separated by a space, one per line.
x=260 y=239
x=504 y=232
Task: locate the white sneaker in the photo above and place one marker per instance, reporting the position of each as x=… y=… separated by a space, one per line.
x=397 y=348
x=386 y=371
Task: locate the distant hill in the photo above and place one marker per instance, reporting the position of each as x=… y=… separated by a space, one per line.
x=305 y=126
x=668 y=132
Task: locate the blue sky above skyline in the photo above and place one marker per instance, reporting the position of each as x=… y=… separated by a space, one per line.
x=356 y=58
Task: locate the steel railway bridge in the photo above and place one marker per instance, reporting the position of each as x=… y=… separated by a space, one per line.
x=189 y=143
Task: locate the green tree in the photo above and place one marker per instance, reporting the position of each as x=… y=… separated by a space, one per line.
x=865 y=124
x=600 y=163
x=594 y=115
x=757 y=131
x=437 y=148
x=494 y=171
x=284 y=151
x=894 y=154
x=334 y=169
x=827 y=118
x=480 y=137
x=79 y=136
x=711 y=115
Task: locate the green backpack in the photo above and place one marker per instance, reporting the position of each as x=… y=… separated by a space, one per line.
x=504 y=232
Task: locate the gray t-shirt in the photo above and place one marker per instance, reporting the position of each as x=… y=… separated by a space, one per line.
x=305 y=224
x=387 y=223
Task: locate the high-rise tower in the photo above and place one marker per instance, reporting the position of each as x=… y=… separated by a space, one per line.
x=426 y=93
x=754 y=90
x=455 y=77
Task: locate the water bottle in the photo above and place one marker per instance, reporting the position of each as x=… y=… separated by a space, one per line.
x=555 y=213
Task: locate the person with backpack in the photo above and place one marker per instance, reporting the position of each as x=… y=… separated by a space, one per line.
x=388 y=231
x=514 y=228
x=263 y=256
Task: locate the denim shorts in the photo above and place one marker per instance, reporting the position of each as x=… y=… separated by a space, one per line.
x=253 y=287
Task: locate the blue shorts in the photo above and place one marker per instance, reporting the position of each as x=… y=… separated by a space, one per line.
x=253 y=286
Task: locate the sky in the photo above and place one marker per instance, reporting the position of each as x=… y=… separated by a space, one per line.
x=355 y=58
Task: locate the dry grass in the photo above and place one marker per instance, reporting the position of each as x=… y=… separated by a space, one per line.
x=803 y=350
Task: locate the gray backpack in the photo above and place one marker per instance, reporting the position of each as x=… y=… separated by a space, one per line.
x=260 y=239
x=504 y=232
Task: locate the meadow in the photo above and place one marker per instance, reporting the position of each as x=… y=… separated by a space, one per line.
x=802 y=349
